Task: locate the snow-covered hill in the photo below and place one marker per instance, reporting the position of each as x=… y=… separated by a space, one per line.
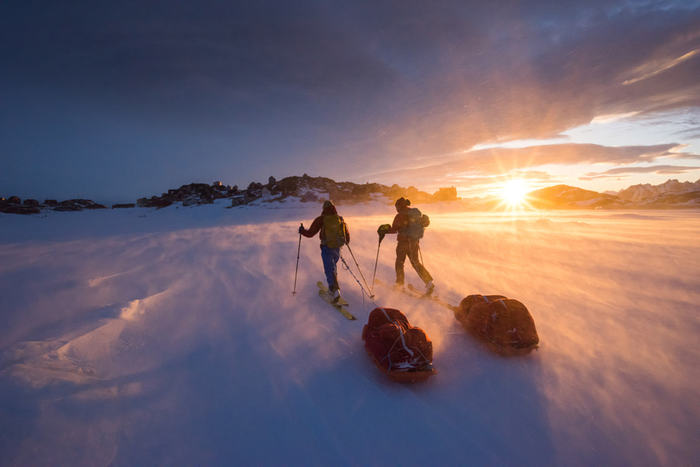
x=170 y=336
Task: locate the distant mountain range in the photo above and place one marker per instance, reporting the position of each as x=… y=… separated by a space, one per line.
x=669 y=195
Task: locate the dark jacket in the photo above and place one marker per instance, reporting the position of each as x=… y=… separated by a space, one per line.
x=400 y=221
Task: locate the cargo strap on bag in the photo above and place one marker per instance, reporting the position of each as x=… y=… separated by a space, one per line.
x=411 y=365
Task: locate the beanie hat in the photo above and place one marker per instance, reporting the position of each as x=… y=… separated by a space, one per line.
x=402 y=202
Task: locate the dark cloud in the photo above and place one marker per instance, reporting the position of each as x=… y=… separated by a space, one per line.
x=211 y=59
x=354 y=87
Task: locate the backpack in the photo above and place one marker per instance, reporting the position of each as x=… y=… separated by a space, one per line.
x=334 y=231
x=417 y=223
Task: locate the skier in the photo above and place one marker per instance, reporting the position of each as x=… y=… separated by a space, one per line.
x=410 y=224
x=334 y=234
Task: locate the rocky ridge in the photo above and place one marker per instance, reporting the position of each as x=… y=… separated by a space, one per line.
x=304 y=188
x=14 y=205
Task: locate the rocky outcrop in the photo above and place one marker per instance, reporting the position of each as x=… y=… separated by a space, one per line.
x=313 y=189
x=14 y=205
x=189 y=195
x=305 y=188
x=78 y=205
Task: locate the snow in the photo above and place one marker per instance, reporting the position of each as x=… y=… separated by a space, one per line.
x=171 y=336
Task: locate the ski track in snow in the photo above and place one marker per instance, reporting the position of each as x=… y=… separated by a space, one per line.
x=171 y=337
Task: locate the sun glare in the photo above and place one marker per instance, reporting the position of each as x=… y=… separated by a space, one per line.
x=514 y=192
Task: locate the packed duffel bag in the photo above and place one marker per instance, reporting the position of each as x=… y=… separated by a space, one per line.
x=504 y=324
x=400 y=350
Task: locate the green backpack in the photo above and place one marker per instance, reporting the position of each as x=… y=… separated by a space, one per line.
x=334 y=231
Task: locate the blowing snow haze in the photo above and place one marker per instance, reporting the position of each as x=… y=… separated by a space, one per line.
x=111 y=100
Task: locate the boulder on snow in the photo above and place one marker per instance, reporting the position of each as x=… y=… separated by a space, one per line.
x=77 y=205
x=400 y=350
x=504 y=324
x=238 y=200
x=13 y=205
x=15 y=208
x=153 y=202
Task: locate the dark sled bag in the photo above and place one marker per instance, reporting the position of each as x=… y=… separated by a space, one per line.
x=398 y=349
x=503 y=324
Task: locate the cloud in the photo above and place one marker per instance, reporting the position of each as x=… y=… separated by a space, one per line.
x=497 y=161
x=658 y=169
x=653 y=68
x=689 y=133
x=521 y=174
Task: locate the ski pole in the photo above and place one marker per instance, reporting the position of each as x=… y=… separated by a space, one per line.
x=374 y=274
x=294 y=292
x=345 y=265
x=358 y=266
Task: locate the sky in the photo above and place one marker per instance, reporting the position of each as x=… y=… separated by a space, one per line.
x=117 y=100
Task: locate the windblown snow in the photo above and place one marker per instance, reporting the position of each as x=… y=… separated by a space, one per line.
x=171 y=337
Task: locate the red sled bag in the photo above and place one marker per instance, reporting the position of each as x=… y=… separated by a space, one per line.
x=398 y=349
x=503 y=324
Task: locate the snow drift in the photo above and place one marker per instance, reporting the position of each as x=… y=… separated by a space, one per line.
x=171 y=337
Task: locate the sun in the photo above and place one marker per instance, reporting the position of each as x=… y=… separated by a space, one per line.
x=514 y=191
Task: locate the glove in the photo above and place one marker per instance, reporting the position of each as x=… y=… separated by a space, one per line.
x=301 y=229
x=383 y=229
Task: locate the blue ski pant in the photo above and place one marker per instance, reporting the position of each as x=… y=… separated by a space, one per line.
x=330 y=257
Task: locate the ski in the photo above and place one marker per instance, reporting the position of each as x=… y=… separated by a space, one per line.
x=415 y=292
x=340 y=305
x=421 y=294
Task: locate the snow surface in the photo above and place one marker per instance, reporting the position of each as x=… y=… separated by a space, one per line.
x=171 y=336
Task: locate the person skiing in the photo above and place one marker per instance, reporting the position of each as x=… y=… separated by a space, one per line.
x=410 y=224
x=334 y=234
